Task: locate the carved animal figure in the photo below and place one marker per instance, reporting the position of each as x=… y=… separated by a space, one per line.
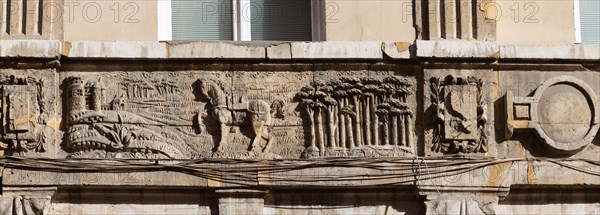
x=229 y=113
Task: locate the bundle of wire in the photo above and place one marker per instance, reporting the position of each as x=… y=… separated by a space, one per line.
x=402 y=170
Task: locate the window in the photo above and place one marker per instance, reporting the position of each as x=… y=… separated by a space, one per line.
x=241 y=20
x=587 y=21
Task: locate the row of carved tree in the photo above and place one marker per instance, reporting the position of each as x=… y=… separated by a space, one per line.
x=354 y=112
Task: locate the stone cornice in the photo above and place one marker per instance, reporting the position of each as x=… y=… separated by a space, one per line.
x=278 y=51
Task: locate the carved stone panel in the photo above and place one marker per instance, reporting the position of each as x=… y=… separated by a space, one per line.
x=563 y=112
x=359 y=115
x=137 y=114
x=266 y=121
x=458 y=113
x=194 y=114
x=28 y=112
x=461 y=112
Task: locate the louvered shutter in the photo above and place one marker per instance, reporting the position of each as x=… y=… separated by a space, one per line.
x=590 y=21
x=202 y=20
x=280 y=20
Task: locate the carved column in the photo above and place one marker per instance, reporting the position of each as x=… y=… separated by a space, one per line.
x=241 y=201
x=466 y=20
x=27 y=19
x=26 y=200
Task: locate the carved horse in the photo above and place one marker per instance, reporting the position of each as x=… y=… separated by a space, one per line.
x=230 y=113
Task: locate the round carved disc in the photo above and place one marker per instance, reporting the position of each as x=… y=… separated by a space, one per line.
x=565 y=113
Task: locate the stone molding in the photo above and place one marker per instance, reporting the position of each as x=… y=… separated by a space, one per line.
x=372 y=51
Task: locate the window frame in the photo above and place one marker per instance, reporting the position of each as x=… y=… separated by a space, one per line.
x=242 y=28
x=577 y=21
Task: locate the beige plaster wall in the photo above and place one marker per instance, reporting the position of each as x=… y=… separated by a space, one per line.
x=369 y=20
x=117 y=20
x=537 y=22
x=519 y=21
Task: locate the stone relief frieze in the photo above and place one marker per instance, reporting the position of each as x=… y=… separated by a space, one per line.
x=563 y=111
x=460 y=114
x=241 y=114
x=285 y=114
x=182 y=115
x=359 y=116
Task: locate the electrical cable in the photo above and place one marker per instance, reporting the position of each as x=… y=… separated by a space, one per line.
x=376 y=171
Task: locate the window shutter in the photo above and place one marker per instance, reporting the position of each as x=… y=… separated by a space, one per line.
x=281 y=20
x=590 y=21
x=202 y=20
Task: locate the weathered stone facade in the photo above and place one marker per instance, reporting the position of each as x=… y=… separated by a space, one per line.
x=430 y=127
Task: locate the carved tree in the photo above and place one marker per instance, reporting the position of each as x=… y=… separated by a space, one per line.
x=353 y=109
x=355 y=92
x=340 y=95
x=306 y=97
x=383 y=111
x=369 y=89
x=320 y=96
x=395 y=112
x=331 y=105
x=348 y=112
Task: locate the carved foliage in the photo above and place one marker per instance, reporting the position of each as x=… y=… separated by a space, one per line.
x=358 y=117
x=460 y=114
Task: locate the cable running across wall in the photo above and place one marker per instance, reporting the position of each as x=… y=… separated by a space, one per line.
x=402 y=170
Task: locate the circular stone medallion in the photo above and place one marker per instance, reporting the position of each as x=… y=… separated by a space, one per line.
x=565 y=114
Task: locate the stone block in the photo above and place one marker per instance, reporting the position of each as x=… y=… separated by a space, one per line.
x=30 y=48
x=551 y=52
x=241 y=201
x=122 y=49
x=337 y=50
x=216 y=50
x=279 y=51
x=457 y=49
